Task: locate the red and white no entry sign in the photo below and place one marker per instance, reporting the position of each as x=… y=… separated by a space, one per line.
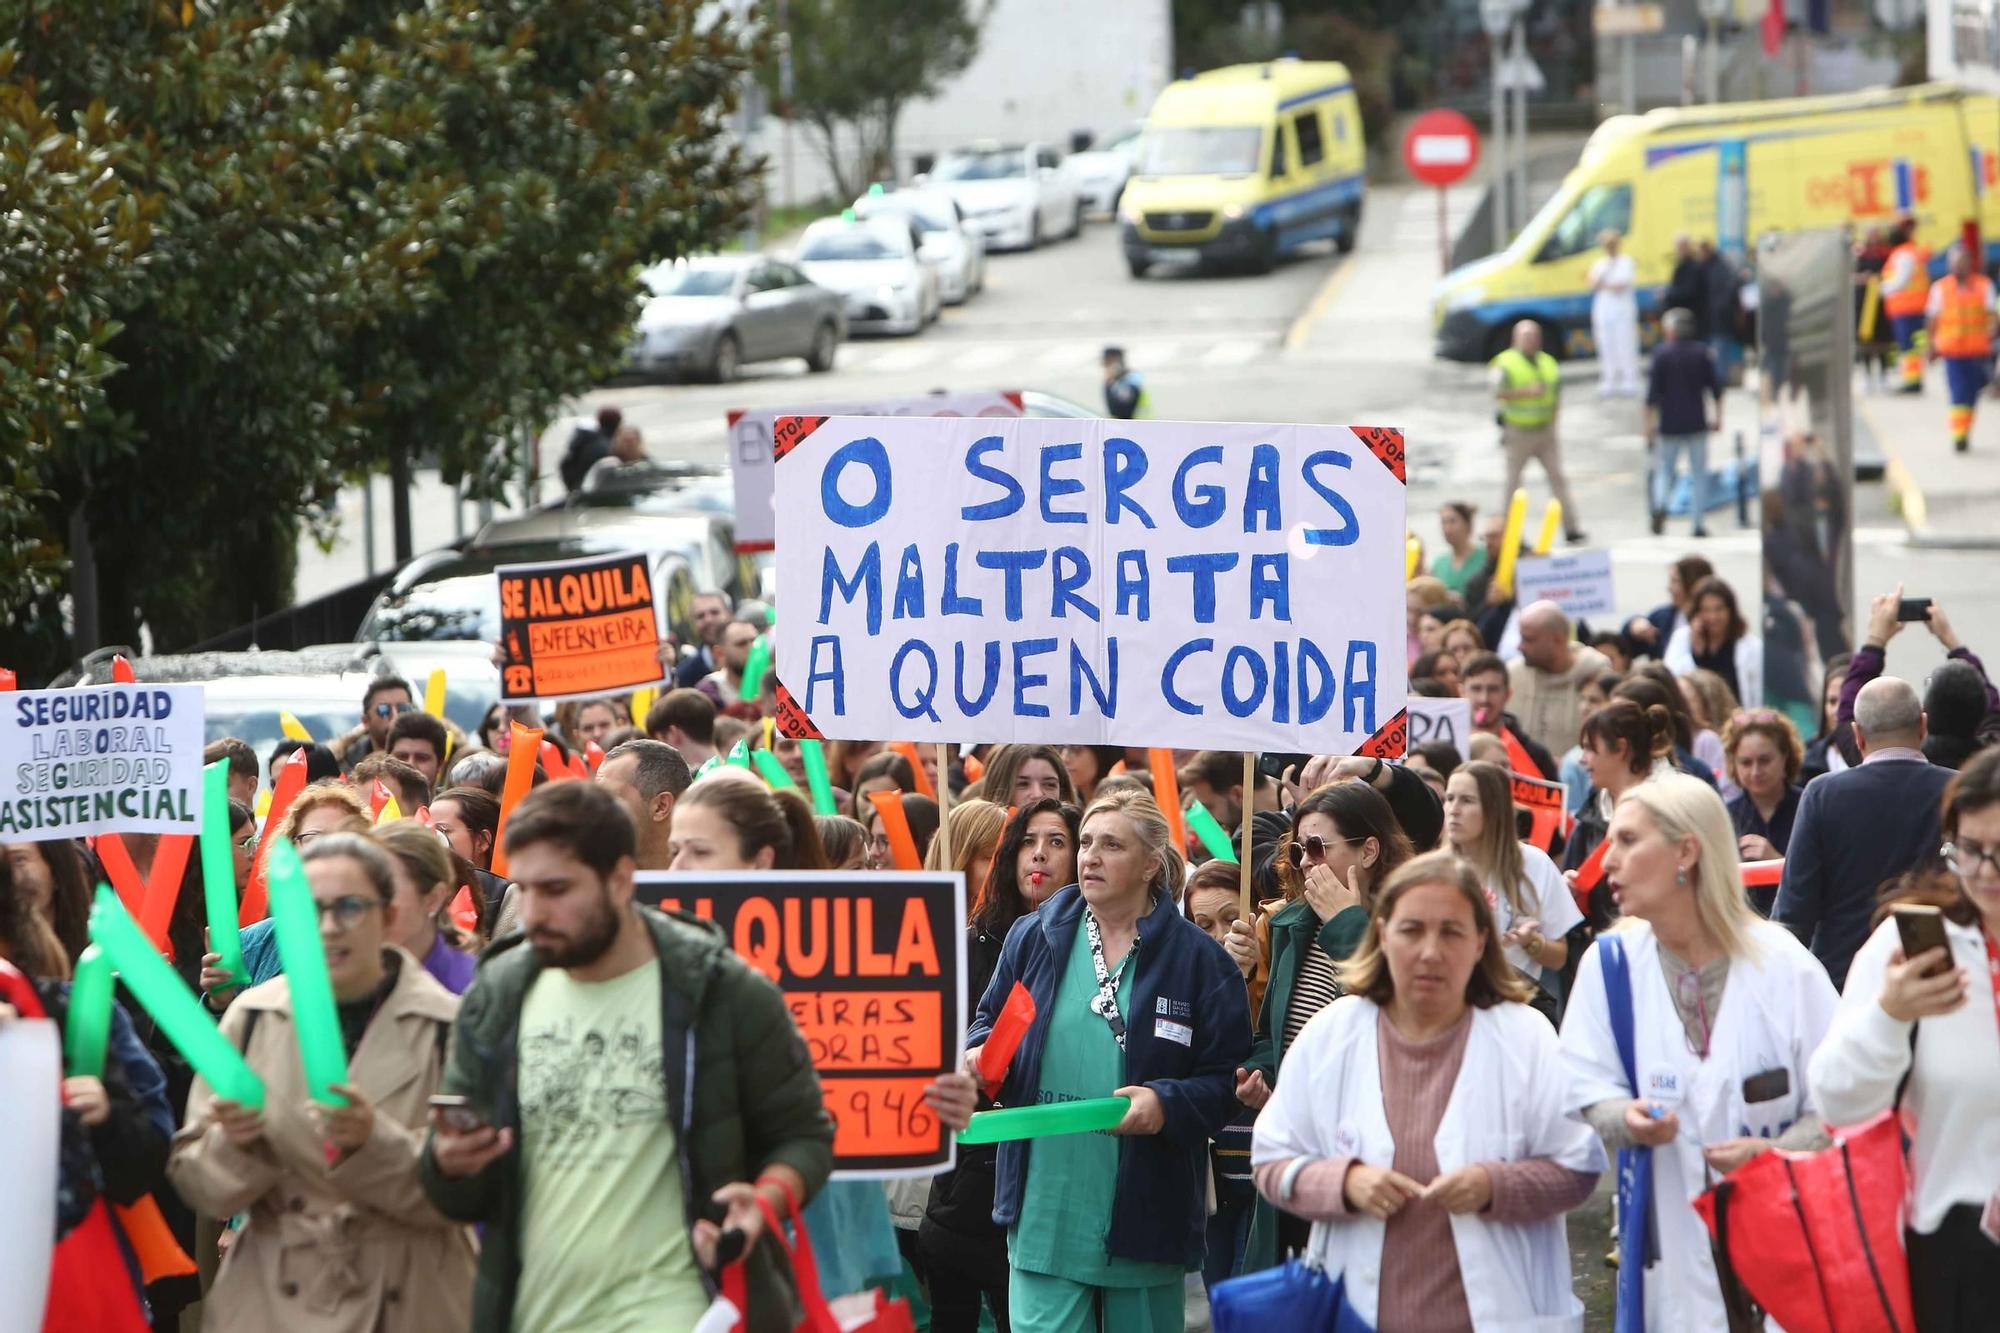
x=1441 y=148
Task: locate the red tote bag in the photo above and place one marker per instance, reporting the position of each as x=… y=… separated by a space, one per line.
x=1817 y=1238
x=863 y=1312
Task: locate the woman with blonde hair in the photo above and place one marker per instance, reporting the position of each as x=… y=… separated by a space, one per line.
x=975 y=828
x=1132 y=999
x=1687 y=1036
x=1532 y=904
x=1421 y=1127
x=425 y=881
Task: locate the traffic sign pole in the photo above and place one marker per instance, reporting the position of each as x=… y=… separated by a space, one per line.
x=1440 y=148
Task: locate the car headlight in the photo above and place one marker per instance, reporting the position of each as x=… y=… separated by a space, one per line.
x=1465 y=298
x=1132 y=215
x=1232 y=212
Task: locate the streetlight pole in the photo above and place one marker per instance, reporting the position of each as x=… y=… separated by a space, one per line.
x=1497 y=17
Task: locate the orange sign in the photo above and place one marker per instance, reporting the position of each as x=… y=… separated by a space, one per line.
x=873 y=971
x=576 y=628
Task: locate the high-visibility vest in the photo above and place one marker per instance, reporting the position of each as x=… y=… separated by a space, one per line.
x=1965 y=317
x=1542 y=373
x=1914 y=261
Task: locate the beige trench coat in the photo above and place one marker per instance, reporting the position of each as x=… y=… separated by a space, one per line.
x=351 y=1248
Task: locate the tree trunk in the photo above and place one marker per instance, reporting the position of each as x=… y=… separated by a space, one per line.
x=399 y=498
x=826 y=137
x=83 y=577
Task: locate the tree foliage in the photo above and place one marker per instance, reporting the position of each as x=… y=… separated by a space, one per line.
x=857 y=64
x=377 y=229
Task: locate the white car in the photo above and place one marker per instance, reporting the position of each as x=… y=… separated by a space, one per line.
x=875 y=266
x=1100 y=173
x=956 y=250
x=1017 y=194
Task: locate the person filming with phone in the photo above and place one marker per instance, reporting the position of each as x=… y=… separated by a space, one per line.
x=1918 y=1028
x=631 y=1089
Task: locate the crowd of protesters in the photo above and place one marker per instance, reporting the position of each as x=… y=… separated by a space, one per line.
x=1418 y=1049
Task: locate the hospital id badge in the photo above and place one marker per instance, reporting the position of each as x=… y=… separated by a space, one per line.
x=1663 y=1088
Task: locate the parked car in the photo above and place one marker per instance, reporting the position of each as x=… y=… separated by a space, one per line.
x=1017 y=194
x=876 y=266
x=711 y=316
x=956 y=250
x=1100 y=173
x=244 y=694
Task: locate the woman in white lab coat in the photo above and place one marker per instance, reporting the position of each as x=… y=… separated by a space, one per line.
x=1533 y=909
x=1614 y=319
x=1898 y=1019
x=1726 y=1011
x=1421 y=1126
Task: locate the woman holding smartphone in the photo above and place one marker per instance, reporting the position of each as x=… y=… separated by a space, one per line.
x=1933 y=1018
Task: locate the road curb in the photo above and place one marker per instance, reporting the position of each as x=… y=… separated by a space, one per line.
x=1909 y=502
x=1323 y=299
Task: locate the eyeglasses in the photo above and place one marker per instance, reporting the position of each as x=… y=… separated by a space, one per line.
x=1966 y=858
x=1313 y=848
x=301 y=839
x=347 y=911
x=248 y=840
x=394 y=710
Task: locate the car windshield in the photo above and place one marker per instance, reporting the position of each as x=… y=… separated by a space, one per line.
x=852 y=243
x=1204 y=151
x=930 y=215
x=686 y=280
x=262 y=723
x=998 y=165
x=455 y=603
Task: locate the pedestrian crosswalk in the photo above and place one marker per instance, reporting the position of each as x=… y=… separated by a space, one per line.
x=951 y=358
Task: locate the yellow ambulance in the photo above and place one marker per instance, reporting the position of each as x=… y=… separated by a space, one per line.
x=1730 y=174
x=1245 y=164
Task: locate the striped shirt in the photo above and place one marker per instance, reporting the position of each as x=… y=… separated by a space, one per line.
x=1313 y=989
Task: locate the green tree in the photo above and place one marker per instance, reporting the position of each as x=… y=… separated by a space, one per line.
x=857 y=64
x=379 y=230
x=73 y=233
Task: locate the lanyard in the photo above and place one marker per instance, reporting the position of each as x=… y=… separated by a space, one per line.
x=1105 y=1003
x=1993 y=969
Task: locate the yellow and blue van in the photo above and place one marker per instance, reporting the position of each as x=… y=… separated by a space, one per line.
x=1730 y=174
x=1245 y=164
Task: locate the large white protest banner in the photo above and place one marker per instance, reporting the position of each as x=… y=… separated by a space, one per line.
x=1228 y=586
x=101 y=759
x=751 y=458
x=1577 y=581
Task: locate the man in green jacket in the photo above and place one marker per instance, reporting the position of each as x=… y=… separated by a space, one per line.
x=632 y=1087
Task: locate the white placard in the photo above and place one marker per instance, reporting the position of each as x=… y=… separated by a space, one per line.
x=31 y=1111
x=750 y=447
x=1441 y=720
x=1577 y=581
x=100 y=759
x=1228 y=586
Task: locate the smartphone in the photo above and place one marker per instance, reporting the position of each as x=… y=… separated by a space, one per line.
x=456 y=1113
x=1914 y=608
x=1767 y=1086
x=1273 y=765
x=1922 y=929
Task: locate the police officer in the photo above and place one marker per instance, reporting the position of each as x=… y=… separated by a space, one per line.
x=1125 y=395
x=1958 y=316
x=1527 y=382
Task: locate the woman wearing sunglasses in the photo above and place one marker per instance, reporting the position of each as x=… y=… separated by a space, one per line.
x=1532 y=904
x=1935 y=1021
x=339 y=1233
x=1344 y=841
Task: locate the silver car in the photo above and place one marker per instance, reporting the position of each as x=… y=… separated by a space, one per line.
x=711 y=316
x=875 y=265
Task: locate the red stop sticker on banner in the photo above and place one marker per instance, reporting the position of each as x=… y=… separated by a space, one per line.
x=1441 y=148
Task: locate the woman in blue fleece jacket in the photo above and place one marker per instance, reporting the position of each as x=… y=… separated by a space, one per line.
x=1131 y=999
